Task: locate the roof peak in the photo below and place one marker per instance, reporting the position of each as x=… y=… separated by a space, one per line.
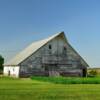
x=31 y=49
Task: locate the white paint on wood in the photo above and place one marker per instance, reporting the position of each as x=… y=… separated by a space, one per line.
x=11 y=71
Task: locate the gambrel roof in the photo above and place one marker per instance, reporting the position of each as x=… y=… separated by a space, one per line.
x=32 y=49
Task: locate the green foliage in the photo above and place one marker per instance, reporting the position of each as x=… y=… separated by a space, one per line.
x=68 y=80
x=1 y=62
x=93 y=72
x=27 y=89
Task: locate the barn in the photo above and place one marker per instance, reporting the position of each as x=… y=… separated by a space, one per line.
x=53 y=56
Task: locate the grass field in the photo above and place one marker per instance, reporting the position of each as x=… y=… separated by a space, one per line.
x=27 y=89
x=68 y=80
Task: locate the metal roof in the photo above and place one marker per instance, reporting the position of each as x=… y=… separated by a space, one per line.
x=29 y=50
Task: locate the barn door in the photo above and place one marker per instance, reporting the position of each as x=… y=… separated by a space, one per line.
x=84 y=72
x=53 y=70
x=9 y=73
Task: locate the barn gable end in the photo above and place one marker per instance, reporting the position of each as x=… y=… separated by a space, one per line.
x=53 y=56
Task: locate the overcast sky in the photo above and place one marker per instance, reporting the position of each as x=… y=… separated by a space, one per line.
x=25 y=21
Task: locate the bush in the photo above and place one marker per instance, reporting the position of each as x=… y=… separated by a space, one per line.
x=91 y=76
x=93 y=72
x=1 y=64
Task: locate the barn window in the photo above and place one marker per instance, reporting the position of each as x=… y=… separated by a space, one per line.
x=64 y=50
x=50 y=47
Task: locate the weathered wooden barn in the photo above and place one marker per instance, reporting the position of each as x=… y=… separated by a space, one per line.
x=52 y=56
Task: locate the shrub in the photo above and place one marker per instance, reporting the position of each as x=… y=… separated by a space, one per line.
x=93 y=72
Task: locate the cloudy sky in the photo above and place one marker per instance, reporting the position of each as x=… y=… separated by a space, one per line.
x=25 y=21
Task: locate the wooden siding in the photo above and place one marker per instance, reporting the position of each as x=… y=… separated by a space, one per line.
x=68 y=62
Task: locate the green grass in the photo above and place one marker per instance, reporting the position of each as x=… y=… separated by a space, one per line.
x=69 y=80
x=27 y=89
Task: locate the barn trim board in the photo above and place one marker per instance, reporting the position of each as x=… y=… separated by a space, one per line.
x=53 y=53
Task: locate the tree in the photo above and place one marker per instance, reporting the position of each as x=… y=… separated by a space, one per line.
x=1 y=62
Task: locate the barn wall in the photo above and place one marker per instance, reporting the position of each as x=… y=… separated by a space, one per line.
x=11 y=71
x=70 y=61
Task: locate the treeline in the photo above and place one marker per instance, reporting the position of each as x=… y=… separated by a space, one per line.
x=1 y=63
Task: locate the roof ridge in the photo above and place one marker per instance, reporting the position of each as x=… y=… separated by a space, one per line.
x=24 y=54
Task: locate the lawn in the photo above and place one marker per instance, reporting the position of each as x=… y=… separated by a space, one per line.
x=68 y=80
x=27 y=89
